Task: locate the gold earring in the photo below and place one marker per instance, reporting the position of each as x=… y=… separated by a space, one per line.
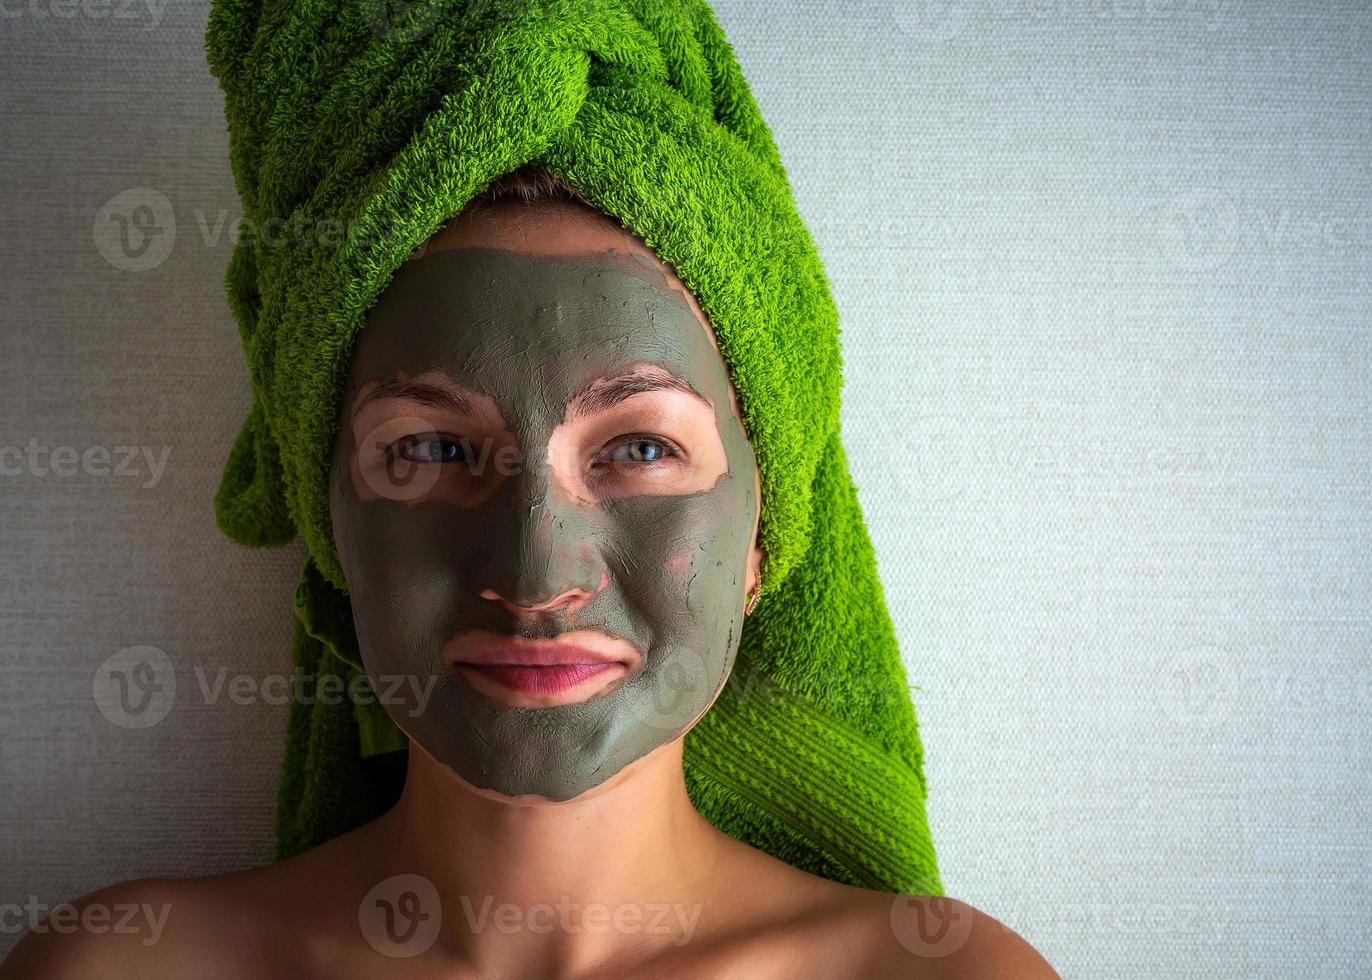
x=753 y=597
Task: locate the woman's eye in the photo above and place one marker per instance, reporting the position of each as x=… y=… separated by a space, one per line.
x=643 y=450
x=434 y=449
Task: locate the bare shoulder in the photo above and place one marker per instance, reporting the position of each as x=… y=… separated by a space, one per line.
x=799 y=924
x=945 y=939
x=211 y=927
x=851 y=932
x=116 y=931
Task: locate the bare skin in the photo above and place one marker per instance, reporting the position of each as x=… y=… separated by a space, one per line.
x=681 y=899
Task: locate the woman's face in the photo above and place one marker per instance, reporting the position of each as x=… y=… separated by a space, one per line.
x=540 y=462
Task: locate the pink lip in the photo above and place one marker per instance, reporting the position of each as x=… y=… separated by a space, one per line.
x=540 y=670
x=490 y=649
x=549 y=679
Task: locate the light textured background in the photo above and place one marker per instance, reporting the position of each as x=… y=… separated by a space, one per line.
x=1103 y=268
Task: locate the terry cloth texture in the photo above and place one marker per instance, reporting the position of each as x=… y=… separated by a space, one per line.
x=355 y=132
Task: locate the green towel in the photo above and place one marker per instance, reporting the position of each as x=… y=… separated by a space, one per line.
x=357 y=127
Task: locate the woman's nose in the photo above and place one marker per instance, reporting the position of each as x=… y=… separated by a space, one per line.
x=544 y=548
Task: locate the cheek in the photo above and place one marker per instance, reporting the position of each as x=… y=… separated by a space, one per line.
x=679 y=567
x=682 y=556
x=403 y=575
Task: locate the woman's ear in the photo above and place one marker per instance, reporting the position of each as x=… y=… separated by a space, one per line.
x=754 y=569
x=758 y=553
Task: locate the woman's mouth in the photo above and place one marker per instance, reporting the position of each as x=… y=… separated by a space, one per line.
x=526 y=673
x=546 y=679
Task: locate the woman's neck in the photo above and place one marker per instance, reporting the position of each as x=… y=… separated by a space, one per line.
x=540 y=887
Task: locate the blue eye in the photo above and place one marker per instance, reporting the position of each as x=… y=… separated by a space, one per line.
x=436 y=449
x=644 y=450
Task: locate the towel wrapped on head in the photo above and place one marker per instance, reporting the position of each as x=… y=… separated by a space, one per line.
x=357 y=129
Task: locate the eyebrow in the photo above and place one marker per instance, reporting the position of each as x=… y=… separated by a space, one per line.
x=605 y=393
x=599 y=396
x=424 y=392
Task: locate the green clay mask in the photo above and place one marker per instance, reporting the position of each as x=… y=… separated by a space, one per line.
x=467 y=496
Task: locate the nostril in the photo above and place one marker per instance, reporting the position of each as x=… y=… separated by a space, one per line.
x=571 y=597
x=566 y=598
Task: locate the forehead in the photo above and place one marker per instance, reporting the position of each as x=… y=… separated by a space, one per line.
x=507 y=323
x=556 y=228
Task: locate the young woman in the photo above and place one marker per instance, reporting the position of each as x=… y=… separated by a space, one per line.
x=465 y=391
x=544 y=470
